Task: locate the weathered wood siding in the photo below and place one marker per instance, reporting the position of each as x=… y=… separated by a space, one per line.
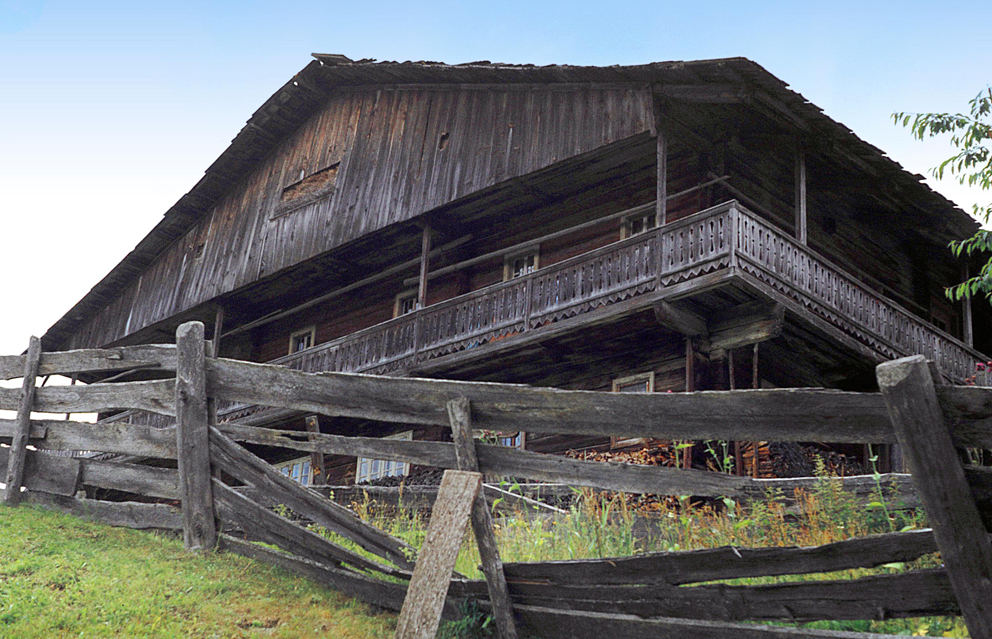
x=402 y=152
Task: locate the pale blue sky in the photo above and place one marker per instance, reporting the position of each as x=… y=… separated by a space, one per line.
x=110 y=111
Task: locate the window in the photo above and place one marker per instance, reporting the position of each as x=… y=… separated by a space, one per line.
x=302 y=340
x=369 y=469
x=520 y=264
x=307 y=190
x=642 y=383
x=511 y=440
x=298 y=470
x=637 y=224
x=406 y=302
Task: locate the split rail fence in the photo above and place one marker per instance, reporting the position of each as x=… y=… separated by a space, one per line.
x=223 y=489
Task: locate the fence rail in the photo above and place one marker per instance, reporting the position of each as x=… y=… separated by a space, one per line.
x=646 y=594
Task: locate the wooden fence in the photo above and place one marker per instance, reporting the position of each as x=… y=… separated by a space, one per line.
x=223 y=488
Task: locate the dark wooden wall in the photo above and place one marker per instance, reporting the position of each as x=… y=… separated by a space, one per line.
x=401 y=152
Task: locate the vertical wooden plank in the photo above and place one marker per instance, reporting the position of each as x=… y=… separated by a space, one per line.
x=22 y=427
x=192 y=439
x=460 y=415
x=424 y=602
x=755 y=383
x=908 y=388
x=316 y=458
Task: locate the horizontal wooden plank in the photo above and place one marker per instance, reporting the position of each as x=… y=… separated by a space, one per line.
x=913 y=594
x=162 y=483
x=38 y=429
x=773 y=415
x=675 y=568
x=574 y=624
x=47 y=473
x=110 y=437
x=154 y=396
x=127 y=514
x=160 y=356
x=968 y=414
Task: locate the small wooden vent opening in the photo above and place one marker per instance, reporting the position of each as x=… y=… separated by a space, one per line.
x=307 y=190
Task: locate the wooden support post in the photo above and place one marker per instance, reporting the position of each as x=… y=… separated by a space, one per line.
x=460 y=415
x=968 y=327
x=800 y=194
x=316 y=457
x=424 y=602
x=22 y=426
x=911 y=398
x=193 y=439
x=425 y=257
x=690 y=386
x=661 y=196
x=755 y=383
x=218 y=330
x=732 y=378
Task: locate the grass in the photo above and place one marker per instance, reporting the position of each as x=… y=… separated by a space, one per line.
x=64 y=577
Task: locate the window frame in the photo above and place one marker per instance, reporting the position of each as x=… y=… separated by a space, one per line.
x=625 y=227
x=509 y=259
x=301 y=464
x=630 y=380
x=383 y=468
x=401 y=297
x=310 y=331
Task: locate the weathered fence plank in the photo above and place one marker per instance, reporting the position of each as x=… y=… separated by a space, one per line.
x=193 y=440
x=14 y=477
x=162 y=483
x=246 y=467
x=47 y=473
x=675 y=568
x=909 y=392
x=911 y=594
x=160 y=356
x=266 y=526
x=774 y=414
x=460 y=414
x=154 y=397
x=109 y=437
x=573 y=624
x=126 y=514
x=428 y=590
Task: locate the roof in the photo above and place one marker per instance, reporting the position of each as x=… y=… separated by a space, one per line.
x=298 y=99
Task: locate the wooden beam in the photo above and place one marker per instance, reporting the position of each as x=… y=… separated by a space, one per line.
x=460 y=413
x=968 y=326
x=161 y=356
x=676 y=317
x=661 y=197
x=705 y=93
x=800 y=192
x=316 y=457
x=911 y=397
x=745 y=325
x=154 y=396
x=193 y=440
x=22 y=428
x=428 y=590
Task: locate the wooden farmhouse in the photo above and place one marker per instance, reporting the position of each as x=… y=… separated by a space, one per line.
x=668 y=227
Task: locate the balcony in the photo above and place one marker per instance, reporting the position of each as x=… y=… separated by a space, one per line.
x=696 y=252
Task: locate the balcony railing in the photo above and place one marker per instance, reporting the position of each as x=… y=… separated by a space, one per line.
x=719 y=238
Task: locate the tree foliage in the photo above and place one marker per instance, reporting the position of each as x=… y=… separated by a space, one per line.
x=971 y=135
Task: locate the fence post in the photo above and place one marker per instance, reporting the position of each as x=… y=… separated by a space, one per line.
x=908 y=388
x=193 y=439
x=420 y=615
x=460 y=415
x=22 y=426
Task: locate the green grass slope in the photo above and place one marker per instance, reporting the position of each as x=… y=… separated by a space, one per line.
x=61 y=576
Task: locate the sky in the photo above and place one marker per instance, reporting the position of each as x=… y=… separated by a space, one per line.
x=111 y=111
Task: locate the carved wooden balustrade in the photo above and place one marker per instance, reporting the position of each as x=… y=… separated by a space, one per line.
x=724 y=237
